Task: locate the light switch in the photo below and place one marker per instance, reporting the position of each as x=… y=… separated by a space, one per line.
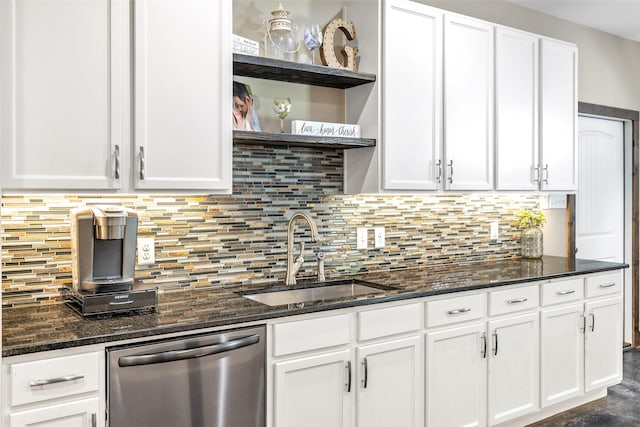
x=378 y=237
x=361 y=238
x=557 y=201
x=495 y=227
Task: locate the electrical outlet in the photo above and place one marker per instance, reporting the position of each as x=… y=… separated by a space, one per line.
x=557 y=201
x=361 y=238
x=146 y=251
x=378 y=234
x=495 y=227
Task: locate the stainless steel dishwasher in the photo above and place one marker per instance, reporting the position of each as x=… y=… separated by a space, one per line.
x=210 y=380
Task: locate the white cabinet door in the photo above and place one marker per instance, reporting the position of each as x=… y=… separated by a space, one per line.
x=516 y=110
x=314 y=391
x=603 y=343
x=412 y=96
x=457 y=376
x=561 y=354
x=77 y=413
x=468 y=103
x=183 y=95
x=63 y=71
x=558 y=115
x=390 y=384
x=514 y=372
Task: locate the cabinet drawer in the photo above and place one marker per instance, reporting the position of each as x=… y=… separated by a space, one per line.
x=453 y=310
x=311 y=334
x=389 y=321
x=53 y=378
x=603 y=284
x=513 y=299
x=562 y=291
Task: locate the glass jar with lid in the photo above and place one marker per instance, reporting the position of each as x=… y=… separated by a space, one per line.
x=281 y=41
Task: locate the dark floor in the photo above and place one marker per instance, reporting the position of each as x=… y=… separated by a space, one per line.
x=621 y=407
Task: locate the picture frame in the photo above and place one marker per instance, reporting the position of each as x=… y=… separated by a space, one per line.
x=245 y=116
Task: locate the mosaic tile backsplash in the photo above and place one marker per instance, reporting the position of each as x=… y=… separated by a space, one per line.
x=206 y=240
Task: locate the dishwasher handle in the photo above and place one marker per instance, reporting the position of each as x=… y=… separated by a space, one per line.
x=189 y=353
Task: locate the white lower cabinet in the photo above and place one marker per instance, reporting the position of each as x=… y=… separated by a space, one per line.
x=561 y=353
x=457 y=376
x=581 y=342
x=603 y=343
x=389 y=383
x=314 y=391
x=513 y=367
x=463 y=362
x=77 y=413
x=66 y=390
x=332 y=379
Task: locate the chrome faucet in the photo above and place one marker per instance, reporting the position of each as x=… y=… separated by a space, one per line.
x=295 y=263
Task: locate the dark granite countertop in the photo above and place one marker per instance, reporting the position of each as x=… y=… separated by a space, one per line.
x=35 y=329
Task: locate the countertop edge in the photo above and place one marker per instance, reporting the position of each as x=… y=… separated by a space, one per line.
x=285 y=312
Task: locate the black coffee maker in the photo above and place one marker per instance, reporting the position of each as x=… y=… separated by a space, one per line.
x=103 y=251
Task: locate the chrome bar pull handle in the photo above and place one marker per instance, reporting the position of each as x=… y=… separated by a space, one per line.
x=536 y=174
x=450 y=166
x=545 y=170
x=348 y=384
x=116 y=173
x=459 y=311
x=607 y=285
x=566 y=292
x=365 y=368
x=495 y=341
x=593 y=322
x=439 y=171
x=188 y=353
x=142 y=163
x=517 y=300
x=56 y=380
x=483 y=339
x=94 y=420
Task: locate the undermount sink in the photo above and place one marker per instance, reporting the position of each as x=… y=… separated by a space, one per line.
x=321 y=291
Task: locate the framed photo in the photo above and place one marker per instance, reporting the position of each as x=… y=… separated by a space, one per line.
x=244 y=112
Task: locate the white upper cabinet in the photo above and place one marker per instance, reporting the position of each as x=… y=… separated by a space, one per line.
x=412 y=96
x=66 y=108
x=468 y=103
x=182 y=78
x=558 y=115
x=464 y=105
x=516 y=110
x=63 y=93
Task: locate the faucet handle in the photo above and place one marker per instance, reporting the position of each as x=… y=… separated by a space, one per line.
x=320 y=258
x=301 y=248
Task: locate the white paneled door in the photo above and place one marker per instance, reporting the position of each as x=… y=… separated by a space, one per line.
x=600 y=201
x=600 y=197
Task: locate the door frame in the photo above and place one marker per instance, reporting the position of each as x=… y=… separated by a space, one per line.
x=631 y=119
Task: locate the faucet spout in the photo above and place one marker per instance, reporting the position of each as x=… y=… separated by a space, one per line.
x=292 y=268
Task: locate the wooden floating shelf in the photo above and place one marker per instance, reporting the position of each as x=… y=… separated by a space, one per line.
x=287 y=139
x=293 y=72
